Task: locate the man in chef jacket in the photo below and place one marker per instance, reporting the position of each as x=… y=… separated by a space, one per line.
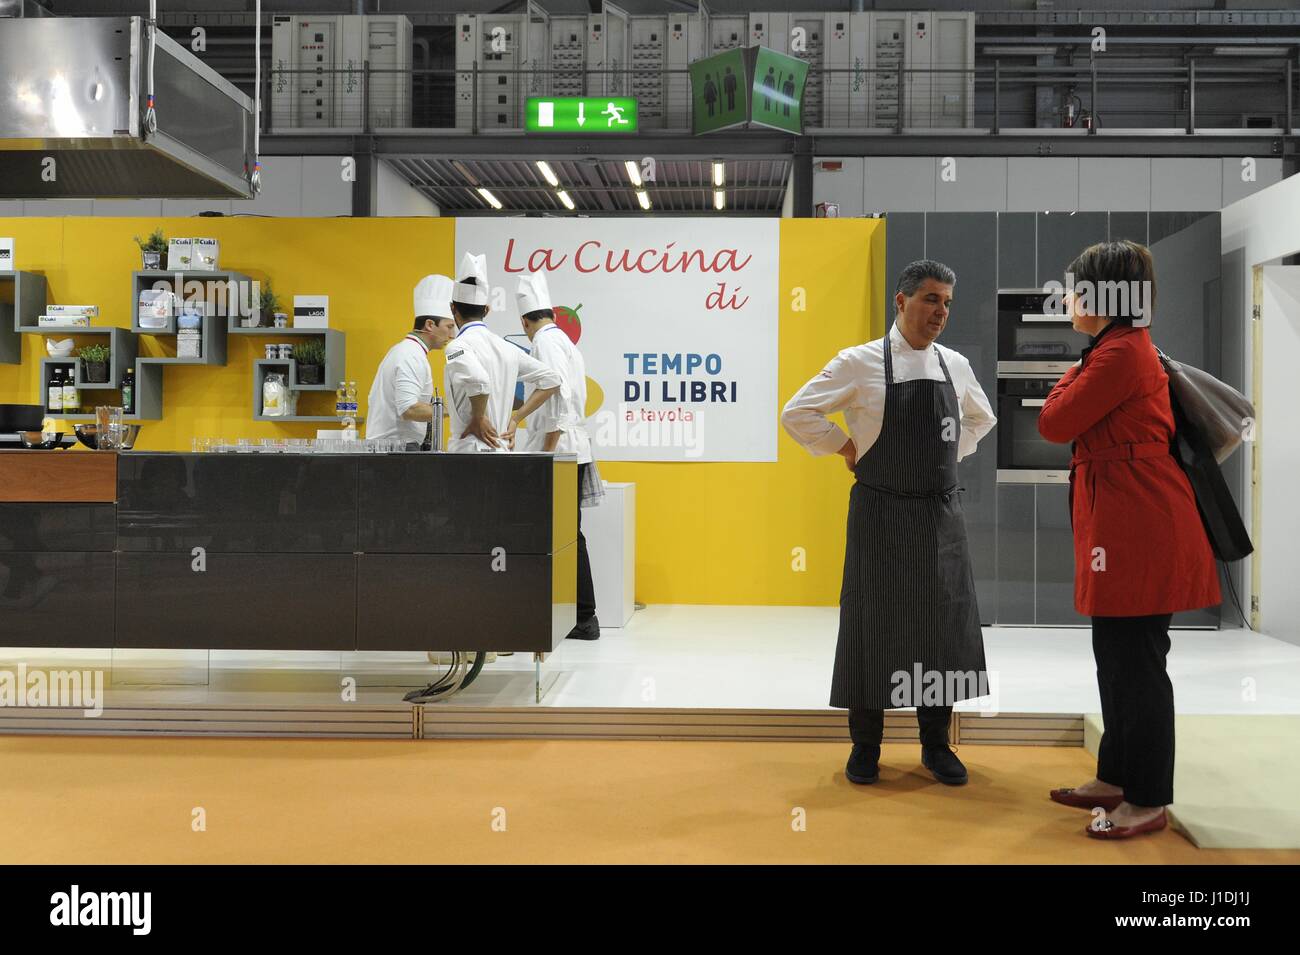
x=483 y=369
x=400 y=406
x=909 y=630
x=560 y=424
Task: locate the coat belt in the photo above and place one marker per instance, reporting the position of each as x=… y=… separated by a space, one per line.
x=1122 y=452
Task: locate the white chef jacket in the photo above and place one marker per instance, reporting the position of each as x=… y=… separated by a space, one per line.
x=565 y=412
x=404 y=378
x=854 y=382
x=480 y=362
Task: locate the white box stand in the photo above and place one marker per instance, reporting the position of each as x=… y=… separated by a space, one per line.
x=610 y=529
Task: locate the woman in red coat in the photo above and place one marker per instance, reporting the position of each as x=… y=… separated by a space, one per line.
x=1140 y=550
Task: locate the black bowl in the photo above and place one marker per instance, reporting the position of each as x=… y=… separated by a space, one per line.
x=21 y=418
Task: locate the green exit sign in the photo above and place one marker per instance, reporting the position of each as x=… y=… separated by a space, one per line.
x=582 y=114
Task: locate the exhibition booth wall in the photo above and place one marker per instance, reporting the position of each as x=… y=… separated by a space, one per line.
x=1260 y=234
x=735 y=524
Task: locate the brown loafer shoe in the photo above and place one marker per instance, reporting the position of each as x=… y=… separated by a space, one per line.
x=1069 y=797
x=1108 y=830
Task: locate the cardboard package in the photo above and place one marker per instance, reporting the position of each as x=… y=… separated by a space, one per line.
x=311 y=311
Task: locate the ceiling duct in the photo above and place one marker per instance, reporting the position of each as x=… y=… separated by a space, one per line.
x=74 y=92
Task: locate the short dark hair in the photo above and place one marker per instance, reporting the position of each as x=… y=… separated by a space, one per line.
x=539 y=314
x=471 y=312
x=910 y=279
x=1121 y=261
x=421 y=319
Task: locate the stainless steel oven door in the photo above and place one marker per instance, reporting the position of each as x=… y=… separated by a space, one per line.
x=1032 y=340
x=1025 y=456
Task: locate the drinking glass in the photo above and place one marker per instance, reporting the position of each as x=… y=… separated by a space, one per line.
x=108 y=426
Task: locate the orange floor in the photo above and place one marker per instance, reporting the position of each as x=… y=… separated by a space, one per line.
x=133 y=800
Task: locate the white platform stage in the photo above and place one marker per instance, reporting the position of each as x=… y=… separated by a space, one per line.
x=674 y=671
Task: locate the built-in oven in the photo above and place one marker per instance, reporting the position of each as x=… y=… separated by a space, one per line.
x=1024 y=455
x=1034 y=334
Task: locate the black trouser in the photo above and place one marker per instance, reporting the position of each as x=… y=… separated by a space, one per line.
x=867 y=727
x=1137 y=707
x=586 y=589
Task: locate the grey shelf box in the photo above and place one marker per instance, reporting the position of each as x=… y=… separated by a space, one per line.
x=29 y=295
x=263 y=366
x=143 y=411
x=221 y=310
x=122 y=345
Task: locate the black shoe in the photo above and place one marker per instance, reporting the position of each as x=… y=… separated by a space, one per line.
x=864 y=764
x=944 y=765
x=585 y=630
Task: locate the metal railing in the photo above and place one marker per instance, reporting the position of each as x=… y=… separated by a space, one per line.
x=894 y=98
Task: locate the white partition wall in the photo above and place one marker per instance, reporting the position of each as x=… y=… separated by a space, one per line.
x=1279 y=544
x=1261 y=230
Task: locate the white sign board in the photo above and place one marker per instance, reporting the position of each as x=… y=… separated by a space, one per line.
x=675 y=318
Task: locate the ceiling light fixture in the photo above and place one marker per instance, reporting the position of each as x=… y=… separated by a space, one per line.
x=564 y=197
x=633 y=172
x=643 y=197
x=548 y=172
x=719 y=199
x=491 y=200
x=719 y=173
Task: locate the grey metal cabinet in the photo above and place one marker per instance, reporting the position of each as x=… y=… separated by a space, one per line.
x=56 y=575
x=1017 y=255
x=1015 y=554
x=967 y=242
x=237 y=601
x=1054 y=558
x=501 y=603
x=1061 y=237
x=56 y=599
x=237 y=503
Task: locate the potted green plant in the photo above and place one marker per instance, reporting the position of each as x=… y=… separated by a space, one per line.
x=94 y=358
x=152 y=249
x=310 y=360
x=268 y=304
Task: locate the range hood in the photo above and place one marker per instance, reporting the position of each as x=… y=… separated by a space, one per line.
x=74 y=90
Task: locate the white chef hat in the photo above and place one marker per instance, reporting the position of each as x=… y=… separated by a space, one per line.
x=433 y=296
x=533 y=293
x=475 y=267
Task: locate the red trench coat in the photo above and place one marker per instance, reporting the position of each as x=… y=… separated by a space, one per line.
x=1132 y=507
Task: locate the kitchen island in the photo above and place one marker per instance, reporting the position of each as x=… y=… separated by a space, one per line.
x=286 y=551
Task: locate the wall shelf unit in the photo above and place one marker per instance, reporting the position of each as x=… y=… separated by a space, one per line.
x=29 y=293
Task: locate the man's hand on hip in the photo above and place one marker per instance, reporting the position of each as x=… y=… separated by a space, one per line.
x=480 y=427
x=849 y=453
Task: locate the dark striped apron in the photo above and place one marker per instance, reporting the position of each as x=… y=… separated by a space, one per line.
x=908 y=605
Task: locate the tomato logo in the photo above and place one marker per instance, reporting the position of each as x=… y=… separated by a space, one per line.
x=567 y=319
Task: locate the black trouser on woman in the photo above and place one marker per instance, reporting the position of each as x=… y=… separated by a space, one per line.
x=586 y=588
x=1137 y=707
x=867 y=727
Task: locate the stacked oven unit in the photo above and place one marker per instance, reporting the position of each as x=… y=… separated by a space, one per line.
x=1036 y=346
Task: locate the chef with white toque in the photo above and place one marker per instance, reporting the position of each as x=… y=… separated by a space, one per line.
x=400 y=405
x=559 y=425
x=483 y=369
